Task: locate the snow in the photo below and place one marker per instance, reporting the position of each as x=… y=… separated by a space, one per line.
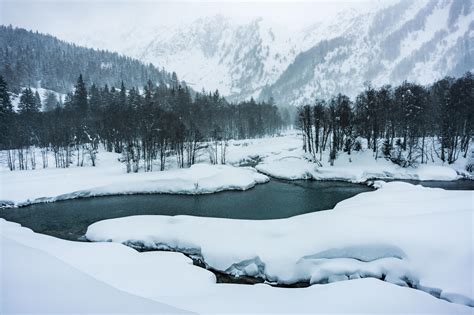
x=279 y=157
x=381 y=169
x=282 y=157
x=358 y=296
x=35 y=282
x=391 y=233
x=15 y=99
x=109 y=178
x=112 y=278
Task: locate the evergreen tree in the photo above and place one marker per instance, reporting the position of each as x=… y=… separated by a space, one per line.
x=80 y=95
x=94 y=98
x=122 y=96
x=50 y=101
x=6 y=115
x=38 y=100
x=28 y=103
x=5 y=102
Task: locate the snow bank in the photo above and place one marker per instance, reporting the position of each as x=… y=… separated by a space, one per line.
x=280 y=157
x=112 y=278
x=34 y=282
x=139 y=274
x=408 y=235
x=291 y=169
x=283 y=157
x=25 y=187
x=356 y=171
x=361 y=296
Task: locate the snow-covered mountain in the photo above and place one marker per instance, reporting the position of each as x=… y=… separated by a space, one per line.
x=389 y=42
x=419 y=41
x=217 y=53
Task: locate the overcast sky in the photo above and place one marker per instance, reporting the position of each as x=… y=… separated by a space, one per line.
x=73 y=20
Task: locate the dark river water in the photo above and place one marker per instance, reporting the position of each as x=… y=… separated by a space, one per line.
x=276 y=199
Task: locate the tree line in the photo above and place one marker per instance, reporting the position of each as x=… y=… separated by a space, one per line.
x=407 y=124
x=144 y=125
x=27 y=58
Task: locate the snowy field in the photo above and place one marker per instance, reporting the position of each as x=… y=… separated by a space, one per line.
x=109 y=178
x=283 y=157
x=280 y=157
x=400 y=249
x=410 y=234
x=388 y=234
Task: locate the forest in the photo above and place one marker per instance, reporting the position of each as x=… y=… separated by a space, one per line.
x=28 y=58
x=407 y=124
x=153 y=124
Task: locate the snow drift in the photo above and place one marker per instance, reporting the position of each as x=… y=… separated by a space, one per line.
x=48 y=185
x=404 y=234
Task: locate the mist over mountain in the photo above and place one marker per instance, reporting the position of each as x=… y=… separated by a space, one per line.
x=419 y=41
x=384 y=43
x=388 y=43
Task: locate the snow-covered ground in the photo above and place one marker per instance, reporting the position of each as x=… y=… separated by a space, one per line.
x=408 y=233
x=280 y=157
x=283 y=157
x=405 y=234
x=35 y=282
x=15 y=98
x=109 y=178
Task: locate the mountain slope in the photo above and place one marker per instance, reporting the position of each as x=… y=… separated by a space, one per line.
x=387 y=43
x=393 y=41
x=37 y=60
x=215 y=52
x=418 y=41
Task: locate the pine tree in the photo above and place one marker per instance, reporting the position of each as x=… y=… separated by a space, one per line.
x=5 y=102
x=28 y=102
x=50 y=101
x=38 y=100
x=122 y=95
x=6 y=113
x=80 y=95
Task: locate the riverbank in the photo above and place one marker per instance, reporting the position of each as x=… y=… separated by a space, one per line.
x=274 y=200
x=20 y=188
x=284 y=158
x=403 y=234
x=278 y=157
x=388 y=234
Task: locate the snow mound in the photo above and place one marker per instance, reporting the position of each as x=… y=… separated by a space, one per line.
x=30 y=186
x=282 y=157
x=128 y=280
x=44 y=287
x=389 y=234
x=363 y=253
x=292 y=169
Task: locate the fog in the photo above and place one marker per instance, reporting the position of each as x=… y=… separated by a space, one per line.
x=96 y=23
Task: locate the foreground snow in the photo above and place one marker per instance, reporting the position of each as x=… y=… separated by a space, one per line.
x=405 y=234
x=109 y=178
x=38 y=272
x=36 y=282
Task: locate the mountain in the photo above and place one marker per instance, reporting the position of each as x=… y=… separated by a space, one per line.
x=392 y=41
x=385 y=43
x=419 y=41
x=43 y=61
x=215 y=52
